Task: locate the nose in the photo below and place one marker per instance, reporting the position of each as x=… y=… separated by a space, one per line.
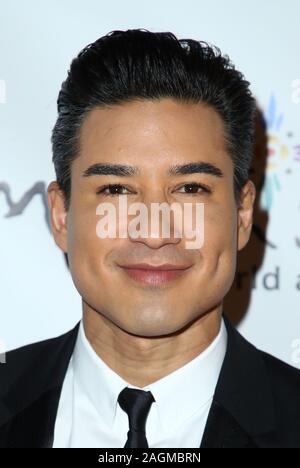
x=156 y=223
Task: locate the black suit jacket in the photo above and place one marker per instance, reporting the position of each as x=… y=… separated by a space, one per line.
x=256 y=402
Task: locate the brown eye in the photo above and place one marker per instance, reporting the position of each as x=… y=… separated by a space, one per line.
x=112 y=189
x=194 y=188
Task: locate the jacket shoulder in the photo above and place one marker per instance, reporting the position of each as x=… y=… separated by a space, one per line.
x=27 y=359
x=285 y=387
x=284 y=377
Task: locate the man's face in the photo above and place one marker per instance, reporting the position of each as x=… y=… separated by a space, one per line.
x=153 y=136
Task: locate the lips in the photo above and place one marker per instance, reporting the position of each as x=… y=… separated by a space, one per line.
x=155 y=275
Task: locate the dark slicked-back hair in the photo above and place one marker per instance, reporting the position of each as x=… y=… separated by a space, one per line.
x=136 y=64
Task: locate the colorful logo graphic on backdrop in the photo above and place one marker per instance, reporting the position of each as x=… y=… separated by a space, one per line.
x=281 y=153
x=282 y=157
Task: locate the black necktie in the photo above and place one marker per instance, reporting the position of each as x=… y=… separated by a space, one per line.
x=136 y=403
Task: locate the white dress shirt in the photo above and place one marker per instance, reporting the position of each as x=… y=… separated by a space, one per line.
x=90 y=416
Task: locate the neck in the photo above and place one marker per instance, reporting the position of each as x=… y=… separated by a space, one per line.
x=141 y=361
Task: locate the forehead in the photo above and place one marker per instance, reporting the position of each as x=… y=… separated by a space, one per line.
x=152 y=131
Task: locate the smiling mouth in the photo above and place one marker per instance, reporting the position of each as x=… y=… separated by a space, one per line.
x=155 y=275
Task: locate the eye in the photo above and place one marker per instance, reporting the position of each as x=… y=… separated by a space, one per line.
x=193 y=188
x=111 y=189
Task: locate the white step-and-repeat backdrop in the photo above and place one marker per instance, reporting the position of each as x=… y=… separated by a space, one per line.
x=38 y=39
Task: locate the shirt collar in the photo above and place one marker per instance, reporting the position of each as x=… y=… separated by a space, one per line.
x=182 y=392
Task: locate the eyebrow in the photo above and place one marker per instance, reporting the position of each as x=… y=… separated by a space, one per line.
x=196 y=168
x=99 y=169
x=124 y=170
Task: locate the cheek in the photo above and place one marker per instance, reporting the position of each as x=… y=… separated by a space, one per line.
x=84 y=246
x=217 y=257
x=220 y=237
x=89 y=255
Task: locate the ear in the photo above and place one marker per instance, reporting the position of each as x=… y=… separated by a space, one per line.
x=58 y=215
x=245 y=213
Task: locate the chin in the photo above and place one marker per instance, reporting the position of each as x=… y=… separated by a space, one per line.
x=154 y=329
x=153 y=333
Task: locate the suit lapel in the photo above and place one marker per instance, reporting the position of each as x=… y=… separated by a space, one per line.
x=34 y=426
x=29 y=403
x=242 y=413
x=222 y=431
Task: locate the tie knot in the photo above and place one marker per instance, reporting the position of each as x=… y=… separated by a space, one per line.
x=136 y=403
